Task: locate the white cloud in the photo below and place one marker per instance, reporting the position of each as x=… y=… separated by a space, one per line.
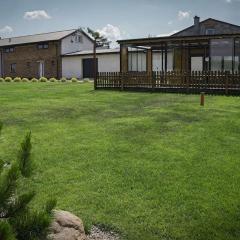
x=183 y=15
x=167 y=34
x=36 y=15
x=6 y=29
x=112 y=33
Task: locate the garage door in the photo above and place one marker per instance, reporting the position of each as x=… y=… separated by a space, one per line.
x=88 y=68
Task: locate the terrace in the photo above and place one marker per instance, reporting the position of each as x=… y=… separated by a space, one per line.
x=209 y=63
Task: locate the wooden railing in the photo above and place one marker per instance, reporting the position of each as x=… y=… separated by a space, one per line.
x=190 y=82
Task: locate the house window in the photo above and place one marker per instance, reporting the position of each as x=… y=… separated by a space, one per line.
x=43 y=46
x=78 y=38
x=210 y=31
x=13 y=68
x=9 y=50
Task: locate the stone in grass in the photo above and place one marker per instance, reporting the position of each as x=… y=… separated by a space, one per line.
x=66 y=226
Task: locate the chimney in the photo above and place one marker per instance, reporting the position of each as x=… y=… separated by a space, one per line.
x=196 y=21
x=197 y=25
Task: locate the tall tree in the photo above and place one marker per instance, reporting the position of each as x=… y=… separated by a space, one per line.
x=100 y=40
x=17 y=221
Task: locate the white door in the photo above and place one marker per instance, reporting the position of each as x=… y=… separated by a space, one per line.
x=41 y=69
x=196 y=63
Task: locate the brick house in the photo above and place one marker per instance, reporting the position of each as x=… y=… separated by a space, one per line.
x=40 y=55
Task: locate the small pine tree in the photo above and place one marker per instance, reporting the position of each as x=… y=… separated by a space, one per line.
x=17 y=221
x=100 y=40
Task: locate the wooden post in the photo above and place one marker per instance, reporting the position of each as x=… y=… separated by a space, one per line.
x=123 y=64
x=202 y=99
x=95 y=64
x=150 y=76
x=227 y=76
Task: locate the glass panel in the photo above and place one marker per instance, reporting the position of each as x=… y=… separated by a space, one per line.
x=137 y=61
x=216 y=63
x=221 y=50
x=227 y=63
x=157 y=61
x=237 y=55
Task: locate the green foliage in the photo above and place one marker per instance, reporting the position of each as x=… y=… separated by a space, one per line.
x=52 y=80
x=24 y=156
x=8 y=79
x=17 y=79
x=43 y=79
x=74 y=80
x=25 y=80
x=101 y=41
x=2 y=80
x=17 y=221
x=6 y=231
x=63 y=79
x=34 y=80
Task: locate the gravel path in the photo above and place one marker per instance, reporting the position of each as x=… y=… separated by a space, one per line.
x=98 y=234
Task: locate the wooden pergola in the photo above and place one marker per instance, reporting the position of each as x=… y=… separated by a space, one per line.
x=219 y=61
x=184 y=48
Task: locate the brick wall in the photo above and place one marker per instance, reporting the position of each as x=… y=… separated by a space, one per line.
x=27 y=57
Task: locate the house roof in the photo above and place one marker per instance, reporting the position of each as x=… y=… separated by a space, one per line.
x=51 y=36
x=202 y=22
x=163 y=40
x=90 y=52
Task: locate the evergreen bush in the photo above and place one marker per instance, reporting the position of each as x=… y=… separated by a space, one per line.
x=74 y=79
x=63 y=79
x=8 y=79
x=34 y=80
x=25 y=80
x=2 y=80
x=52 y=80
x=17 y=79
x=17 y=220
x=43 y=79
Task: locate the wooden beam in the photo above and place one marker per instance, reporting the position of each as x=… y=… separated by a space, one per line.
x=149 y=60
x=123 y=58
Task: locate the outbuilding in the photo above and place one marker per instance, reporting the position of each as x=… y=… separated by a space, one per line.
x=80 y=64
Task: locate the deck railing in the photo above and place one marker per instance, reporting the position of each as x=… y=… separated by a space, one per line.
x=189 y=82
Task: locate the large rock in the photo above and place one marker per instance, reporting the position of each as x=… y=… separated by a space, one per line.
x=66 y=226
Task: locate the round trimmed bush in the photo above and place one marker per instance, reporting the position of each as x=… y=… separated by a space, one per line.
x=74 y=79
x=8 y=79
x=34 y=80
x=25 y=80
x=43 y=79
x=2 y=80
x=17 y=79
x=63 y=79
x=52 y=80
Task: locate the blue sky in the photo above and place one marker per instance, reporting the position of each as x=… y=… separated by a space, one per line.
x=115 y=18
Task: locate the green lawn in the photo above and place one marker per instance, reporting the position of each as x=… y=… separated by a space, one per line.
x=152 y=166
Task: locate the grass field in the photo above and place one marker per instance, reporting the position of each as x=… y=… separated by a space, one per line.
x=152 y=166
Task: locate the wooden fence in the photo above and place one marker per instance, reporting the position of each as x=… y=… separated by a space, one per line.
x=184 y=82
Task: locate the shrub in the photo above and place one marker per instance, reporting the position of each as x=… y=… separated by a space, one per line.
x=52 y=80
x=17 y=79
x=43 y=79
x=74 y=79
x=17 y=220
x=8 y=79
x=63 y=79
x=34 y=80
x=1 y=79
x=25 y=80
